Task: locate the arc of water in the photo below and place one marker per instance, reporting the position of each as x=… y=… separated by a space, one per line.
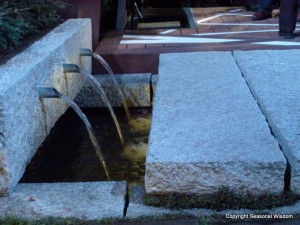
x=97 y=86
x=48 y=92
x=87 y=52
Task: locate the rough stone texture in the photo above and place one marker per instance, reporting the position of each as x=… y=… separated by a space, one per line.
x=274 y=79
x=137 y=208
x=135 y=87
x=25 y=120
x=208 y=131
x=137 y=194
x=88 y=200
x=154 y=80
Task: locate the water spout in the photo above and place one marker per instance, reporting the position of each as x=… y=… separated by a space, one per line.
x=88 y=52
x=49 y=92
x=71 y=68
x=85 y=52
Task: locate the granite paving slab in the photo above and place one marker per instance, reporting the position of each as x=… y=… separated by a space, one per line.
x=207 y=130
x=274 y=79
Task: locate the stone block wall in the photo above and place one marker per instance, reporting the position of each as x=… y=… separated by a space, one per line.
x=26 y=119
x=135 y=88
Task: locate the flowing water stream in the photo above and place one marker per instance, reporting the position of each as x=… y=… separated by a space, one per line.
x=49 y=92
x=97 y=86
x=111 y=73
x=89 y=128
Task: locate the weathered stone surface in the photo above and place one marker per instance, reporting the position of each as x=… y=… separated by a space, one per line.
x=137 y=208
x=135 y=88
x=208 y=131
x=86 y=200
x=154 y=80
x=25 y=120
x=274 y=79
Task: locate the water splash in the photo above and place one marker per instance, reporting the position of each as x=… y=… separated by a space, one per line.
x=92 y=80
x=111 y=73
x=89 y=128
x=140 y=125
x=135 y=151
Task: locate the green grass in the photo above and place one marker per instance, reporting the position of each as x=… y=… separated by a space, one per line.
x=73 y=221
x=46 y=221
x=221 y=200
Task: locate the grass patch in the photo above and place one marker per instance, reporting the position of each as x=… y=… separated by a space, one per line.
x=74 y=221
x=223 y=199
x=46 y=221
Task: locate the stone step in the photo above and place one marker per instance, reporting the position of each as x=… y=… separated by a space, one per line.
x=85 y=200
x=274 y=78
x=207 y=130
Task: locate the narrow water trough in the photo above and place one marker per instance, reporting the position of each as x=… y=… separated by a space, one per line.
x=28 y=118
x=68 y=163
x=67 y=155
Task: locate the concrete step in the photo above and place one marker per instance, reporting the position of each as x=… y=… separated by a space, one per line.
x=208 y=131
x=274 y=79
x=86 y=200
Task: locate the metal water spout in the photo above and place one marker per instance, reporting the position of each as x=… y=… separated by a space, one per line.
x=85 y=52
x=71 y=68
x=48 y=92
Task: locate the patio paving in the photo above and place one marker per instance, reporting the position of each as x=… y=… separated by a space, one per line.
x=218 y=29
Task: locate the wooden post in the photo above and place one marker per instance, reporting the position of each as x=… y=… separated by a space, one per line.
x=84 y=9
x=121 y=15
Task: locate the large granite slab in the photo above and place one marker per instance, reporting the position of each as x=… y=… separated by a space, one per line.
x=274 y=78
x=26 y=119
x=85 y=200
x=207 y=130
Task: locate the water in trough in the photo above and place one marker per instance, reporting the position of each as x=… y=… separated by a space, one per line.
x=67 y=155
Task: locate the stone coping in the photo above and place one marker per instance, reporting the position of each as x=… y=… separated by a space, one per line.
x=85 y=200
